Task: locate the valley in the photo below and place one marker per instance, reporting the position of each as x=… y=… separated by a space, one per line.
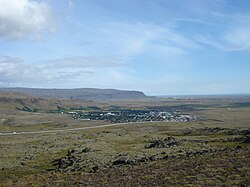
x=136 y=142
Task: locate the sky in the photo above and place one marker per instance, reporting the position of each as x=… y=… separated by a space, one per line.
x=160 y=47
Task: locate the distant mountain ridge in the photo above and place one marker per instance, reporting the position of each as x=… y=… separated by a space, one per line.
x=79 y=93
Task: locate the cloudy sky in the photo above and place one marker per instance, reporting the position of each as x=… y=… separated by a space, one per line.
x=161 y=47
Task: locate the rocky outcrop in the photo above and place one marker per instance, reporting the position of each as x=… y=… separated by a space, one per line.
x=76 y=160
x=125 y=160
x=215 y=130
x=246 y=139
x=165 y=143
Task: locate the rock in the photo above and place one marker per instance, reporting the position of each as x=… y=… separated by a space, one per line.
x=143 y=159
x=72 y=161
x=166 y=143
x=246 y=139
x=196 y=153
x=95 y=169
x=134 y=161
x=70 y=152
x=65 y=162
x=186 y=132
x=75 y=151
x=86 y=150
x=152 y=158
x=120 y=161
x=238 y=147
x=246 y=132
x=243 y=185
x=29 y=157
x=165 y=157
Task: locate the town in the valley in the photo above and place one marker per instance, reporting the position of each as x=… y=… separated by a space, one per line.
x=123 y=116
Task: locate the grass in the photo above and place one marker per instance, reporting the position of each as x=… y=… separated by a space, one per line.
x=205 y=171
x=43 y=121
x=27 y=160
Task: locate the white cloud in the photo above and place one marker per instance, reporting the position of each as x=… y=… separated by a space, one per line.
x=239 y=38
x=22 y=18
x=83 y=62
x=71 y=4
x=16 y=72
x=130 y=38
x=210 y=41
x=225 y=31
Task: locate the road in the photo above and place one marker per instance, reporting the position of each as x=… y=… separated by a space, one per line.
x=73 y=129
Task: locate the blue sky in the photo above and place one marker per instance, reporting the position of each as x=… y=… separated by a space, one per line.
x=161 y=47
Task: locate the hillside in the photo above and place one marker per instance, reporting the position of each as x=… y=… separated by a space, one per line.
x=80 y=93
x=21 y=101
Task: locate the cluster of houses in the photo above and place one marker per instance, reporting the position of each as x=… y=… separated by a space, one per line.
x=123 y=116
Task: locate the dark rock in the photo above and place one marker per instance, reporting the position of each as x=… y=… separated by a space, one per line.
x=166 y=143
x=243 y=185
x=196 y=153
x=29 y=157
x=70 y=152
x=143 y=159
x=121 y=161
x=246 y=139
x=65 y=162
x=134 y=161
x=152 y=158
x=95 y=169
x=165 y=157
x=186 y=132
x=72 y=159
x=86 y=150
x=238 y=147
x=245 y=132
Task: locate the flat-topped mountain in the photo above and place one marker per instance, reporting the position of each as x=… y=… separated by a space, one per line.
x=79 y=93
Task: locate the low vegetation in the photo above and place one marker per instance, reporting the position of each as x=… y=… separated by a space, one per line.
x=210 y=151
